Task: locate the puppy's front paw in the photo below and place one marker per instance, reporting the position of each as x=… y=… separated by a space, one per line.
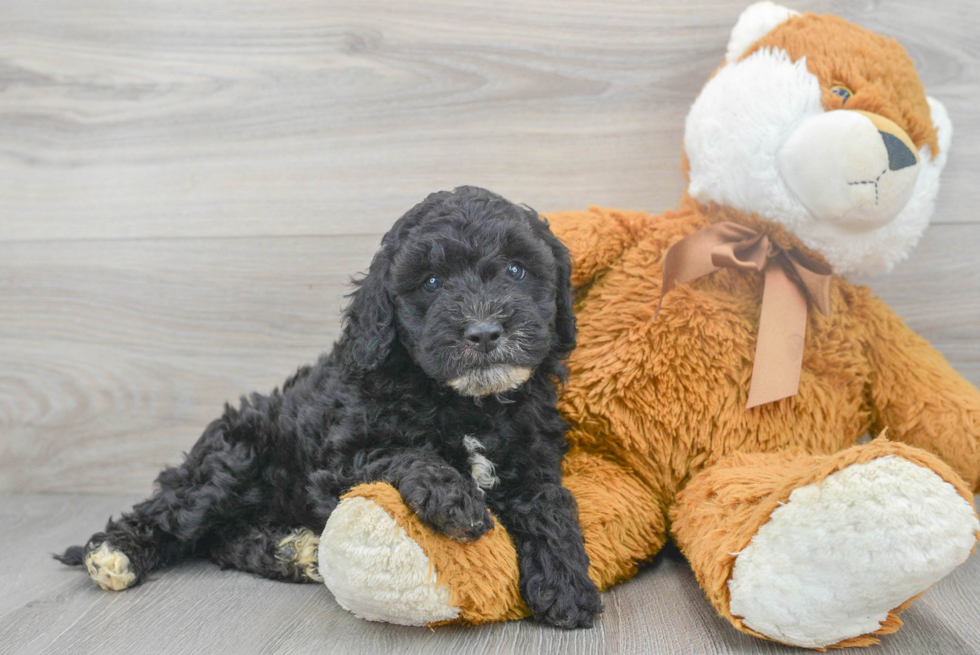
x=450 y=504
x=462 y=521
x=566 y=601
x=109 y=567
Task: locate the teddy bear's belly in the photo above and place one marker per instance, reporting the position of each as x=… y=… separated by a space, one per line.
x=671 y=395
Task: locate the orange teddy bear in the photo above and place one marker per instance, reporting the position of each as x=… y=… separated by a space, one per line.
x=730 y=421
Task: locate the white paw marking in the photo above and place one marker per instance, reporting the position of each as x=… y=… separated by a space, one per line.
x=303 y=545
x=481 y=468
x=834 y=560
x=110 y=568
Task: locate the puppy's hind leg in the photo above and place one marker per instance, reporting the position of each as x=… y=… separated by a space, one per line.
x=273 y=552
x=128 y=549
x=216 y=484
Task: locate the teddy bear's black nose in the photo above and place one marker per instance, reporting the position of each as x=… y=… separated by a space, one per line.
x=899 y=155
x=484 y=336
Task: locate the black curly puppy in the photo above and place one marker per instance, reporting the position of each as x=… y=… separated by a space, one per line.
x=451 y=349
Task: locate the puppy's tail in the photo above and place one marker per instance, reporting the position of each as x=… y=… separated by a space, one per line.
x=74 y=556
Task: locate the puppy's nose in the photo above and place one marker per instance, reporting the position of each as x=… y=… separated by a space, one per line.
x=484 y=336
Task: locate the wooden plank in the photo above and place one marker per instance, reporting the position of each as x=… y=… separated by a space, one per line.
x=227 y=118
x=197 y=608
x=131 y=348
x=114 y=355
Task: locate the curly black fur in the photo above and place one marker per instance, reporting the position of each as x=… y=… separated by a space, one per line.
x=380 y=406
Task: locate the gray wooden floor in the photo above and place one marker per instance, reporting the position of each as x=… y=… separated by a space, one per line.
x=197 y=608
x=186 y=187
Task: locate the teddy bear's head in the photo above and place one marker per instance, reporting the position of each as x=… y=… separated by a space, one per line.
x=824 y=127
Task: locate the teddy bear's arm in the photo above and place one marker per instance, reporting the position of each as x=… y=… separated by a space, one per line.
x=918 y=396
x=596 y=238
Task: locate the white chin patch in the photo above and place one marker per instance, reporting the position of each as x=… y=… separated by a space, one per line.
x=376 y=571
x=492 y=379
x=839 y=555
x=733 y=136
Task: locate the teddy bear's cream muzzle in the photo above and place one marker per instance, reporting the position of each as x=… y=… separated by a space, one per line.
x=852 y=168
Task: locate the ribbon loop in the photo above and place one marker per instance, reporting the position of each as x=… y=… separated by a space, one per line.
x=792 y=278
x=746 y=255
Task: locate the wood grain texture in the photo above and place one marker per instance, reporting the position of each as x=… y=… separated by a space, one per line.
x=114 y=355
x=135 y=118
x=194 y=608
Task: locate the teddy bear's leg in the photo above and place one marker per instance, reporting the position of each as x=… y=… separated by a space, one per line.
x=623 y=521
x=383 y=564
x=820 y=551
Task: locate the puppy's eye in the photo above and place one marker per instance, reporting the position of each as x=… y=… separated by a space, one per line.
x=516 y=271
x=841 y=92
x=432 y=283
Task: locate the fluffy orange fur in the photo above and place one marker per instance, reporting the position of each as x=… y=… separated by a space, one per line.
x=661 y=443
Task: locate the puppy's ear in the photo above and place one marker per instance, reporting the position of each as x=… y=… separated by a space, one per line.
x=369 y=320
x=564 y=317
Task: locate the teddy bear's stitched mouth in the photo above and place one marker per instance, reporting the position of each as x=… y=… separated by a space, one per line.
x=874 y=182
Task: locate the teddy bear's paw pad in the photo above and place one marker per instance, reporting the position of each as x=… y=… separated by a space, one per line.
x=110 y=568
x=833 y=561
x=297 y=556
x=376 y=571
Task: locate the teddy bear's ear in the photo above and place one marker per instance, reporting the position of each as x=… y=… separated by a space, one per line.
x=944 y=129
x=754 y=23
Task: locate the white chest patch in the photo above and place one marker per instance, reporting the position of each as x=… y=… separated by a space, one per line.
x=481 y=468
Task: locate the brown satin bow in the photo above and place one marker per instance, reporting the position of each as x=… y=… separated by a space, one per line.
x=791 y=279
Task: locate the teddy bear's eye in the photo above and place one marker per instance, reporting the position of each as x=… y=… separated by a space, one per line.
x=841 y=92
